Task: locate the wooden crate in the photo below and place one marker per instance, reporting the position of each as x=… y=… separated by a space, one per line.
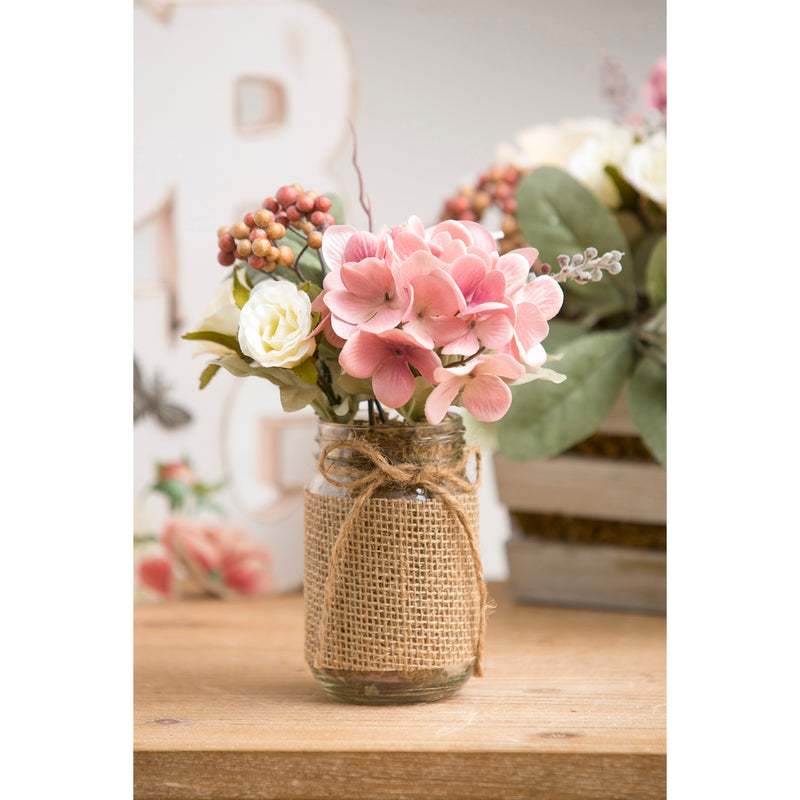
x=549 y=500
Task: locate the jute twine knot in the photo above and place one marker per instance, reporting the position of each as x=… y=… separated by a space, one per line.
x=363 y=480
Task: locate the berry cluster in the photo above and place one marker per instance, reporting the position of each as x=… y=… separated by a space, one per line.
x=256 y=239
x=496 y=187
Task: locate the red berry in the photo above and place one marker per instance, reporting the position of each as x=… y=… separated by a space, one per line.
x=293 y=212
x=226 y=259
x=510 y=206
x=226 y=243
x=318 y=218
x=249 y=220
x=502 y=192
x=282 y=219
x=323 y=203
x=286 y=195
x=271 y=203
x=329 y=219
x=304 y=203
x=257 y=233
x=257 y=262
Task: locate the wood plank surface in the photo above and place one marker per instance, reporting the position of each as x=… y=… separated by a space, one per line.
x=572 y=706
x=580 y=486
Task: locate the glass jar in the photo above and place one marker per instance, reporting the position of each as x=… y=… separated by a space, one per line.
x=393 y=584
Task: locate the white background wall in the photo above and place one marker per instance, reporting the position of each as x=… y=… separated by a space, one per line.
x=432 y=87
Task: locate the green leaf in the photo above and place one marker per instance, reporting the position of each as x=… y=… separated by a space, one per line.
x=231 y=342
x=175 y=491
x=306 y=371
x=208 y=373
x=241 y=294
x=337 y=208
x=656 y=273
x=647 y=398
x=310 y=289
x=629 y=197
x=560 y=216
x=546 y=419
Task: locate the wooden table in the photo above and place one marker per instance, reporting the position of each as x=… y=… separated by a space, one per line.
x=572 y=706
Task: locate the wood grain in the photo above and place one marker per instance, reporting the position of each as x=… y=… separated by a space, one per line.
x=580 y=486
x=572 y=706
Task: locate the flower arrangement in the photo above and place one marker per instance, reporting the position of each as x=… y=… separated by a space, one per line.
x=197 y=552
x=584 y=182
x=412 y=319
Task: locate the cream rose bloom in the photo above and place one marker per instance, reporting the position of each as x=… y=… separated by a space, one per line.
x=588 y=161
x=274 y=325
x=646 y=167
x=221 y=315
x=552 y=145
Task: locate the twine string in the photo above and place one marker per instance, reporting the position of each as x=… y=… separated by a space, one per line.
x=363 y=481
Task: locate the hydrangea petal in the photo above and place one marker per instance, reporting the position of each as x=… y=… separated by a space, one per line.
x=440 y=400
x=545 y=292
x=363 y=353
x=369 y=278
x=393 y=383
x=334 y=241
x=486 y=397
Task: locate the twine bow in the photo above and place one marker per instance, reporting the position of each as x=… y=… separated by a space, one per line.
x=364 y=481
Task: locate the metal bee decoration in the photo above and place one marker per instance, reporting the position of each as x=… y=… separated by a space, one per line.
x=152 y=400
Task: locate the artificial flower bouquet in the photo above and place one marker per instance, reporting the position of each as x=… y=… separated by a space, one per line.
x=582 y=182
x=410 y=318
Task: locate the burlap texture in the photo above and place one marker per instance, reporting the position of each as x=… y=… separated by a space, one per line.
x=404 y=594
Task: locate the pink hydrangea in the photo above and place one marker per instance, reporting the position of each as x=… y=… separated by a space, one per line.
x=440 y=303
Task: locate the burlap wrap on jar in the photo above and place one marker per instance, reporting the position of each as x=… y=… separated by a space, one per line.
x=393 y=577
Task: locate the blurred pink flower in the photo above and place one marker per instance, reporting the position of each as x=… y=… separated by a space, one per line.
x=222 y=553
x=178 y=471
x=485 y=394
x=654 y=91
x=155 y=573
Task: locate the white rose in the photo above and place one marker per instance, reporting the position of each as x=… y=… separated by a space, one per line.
x=646 y=167
x=274 y=325
x=588 y=161
x=221 y=315
x=552 y=145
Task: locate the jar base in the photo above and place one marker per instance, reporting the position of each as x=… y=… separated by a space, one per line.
x=392 y=688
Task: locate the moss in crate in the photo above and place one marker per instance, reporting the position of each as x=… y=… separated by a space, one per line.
x=629 y=448
x=560 y=528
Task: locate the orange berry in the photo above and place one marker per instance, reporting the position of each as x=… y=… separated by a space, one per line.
x=223 y=230
x=285 y=256
x=261 y=247
x=239 y=230
x=244 y=248
x=315 y=240
x=263 y=217
x=275 y=231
